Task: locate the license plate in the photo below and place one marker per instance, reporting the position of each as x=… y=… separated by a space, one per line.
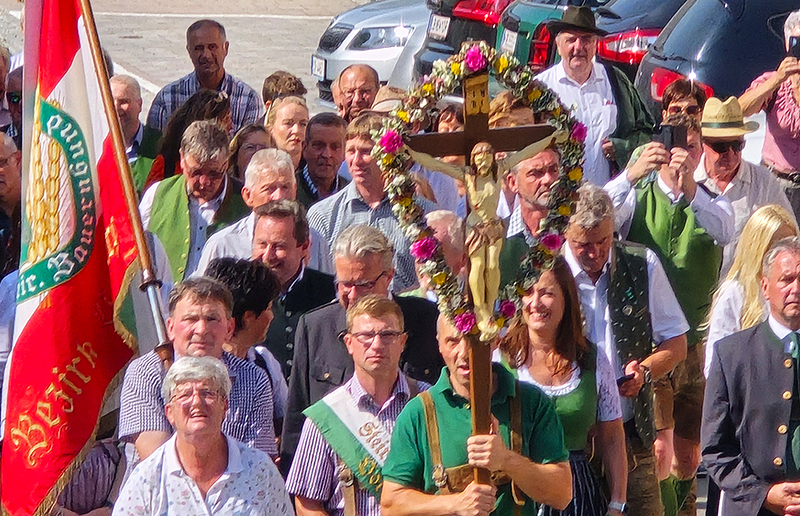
x=318 y=67
x=439 y=26
x=509 y=41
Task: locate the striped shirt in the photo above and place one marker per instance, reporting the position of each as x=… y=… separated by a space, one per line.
x=246 y=106
x=338 y=212
x=314 y=473
x=249 y=416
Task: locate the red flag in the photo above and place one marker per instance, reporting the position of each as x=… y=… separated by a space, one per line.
x=74 y=330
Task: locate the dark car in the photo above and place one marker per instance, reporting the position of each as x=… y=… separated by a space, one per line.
x=452 y=23
x=632 y=26
x=722 y=45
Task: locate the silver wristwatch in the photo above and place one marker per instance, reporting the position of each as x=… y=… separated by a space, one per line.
x=617 y=506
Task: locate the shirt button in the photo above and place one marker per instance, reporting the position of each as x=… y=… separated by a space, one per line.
x=288 y=314
x=289 y=345
x=782 y=429
x=289 y=362
x=787 y=363
x=778 y=462
x=787 y=395
x=289 y=329
x=186 y=241
x=326 y=375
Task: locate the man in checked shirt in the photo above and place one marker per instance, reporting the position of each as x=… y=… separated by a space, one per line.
x=345 y=437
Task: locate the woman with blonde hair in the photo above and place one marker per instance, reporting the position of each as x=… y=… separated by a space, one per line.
x=738 y=303
x=286 y=122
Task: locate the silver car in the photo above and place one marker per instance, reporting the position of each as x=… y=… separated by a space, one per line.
x=384 y=34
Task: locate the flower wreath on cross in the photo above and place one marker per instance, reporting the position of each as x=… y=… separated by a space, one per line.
x=394 y=162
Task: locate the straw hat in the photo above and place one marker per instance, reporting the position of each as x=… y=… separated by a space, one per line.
x=578 y=19
x=724 y=119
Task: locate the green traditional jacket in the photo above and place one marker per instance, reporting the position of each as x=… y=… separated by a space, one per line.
x=170 y=221
x=690 y=256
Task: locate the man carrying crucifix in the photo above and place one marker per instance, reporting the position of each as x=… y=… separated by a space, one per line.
x=485 y=231
x=429 y=467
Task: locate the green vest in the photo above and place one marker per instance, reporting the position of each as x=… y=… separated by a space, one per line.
x=169 y=219
x=689 y=254
x=577 y=411
x=140 y=169
x=628 y=299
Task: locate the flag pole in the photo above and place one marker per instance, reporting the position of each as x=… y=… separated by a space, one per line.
x=150 y=284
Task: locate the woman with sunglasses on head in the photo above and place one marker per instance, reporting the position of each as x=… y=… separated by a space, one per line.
x=203 y=105
x=546 y=348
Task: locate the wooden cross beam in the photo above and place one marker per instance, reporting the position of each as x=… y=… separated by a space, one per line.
x=476 y=129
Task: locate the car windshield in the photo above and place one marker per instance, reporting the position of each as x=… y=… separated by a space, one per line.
x=620 y=9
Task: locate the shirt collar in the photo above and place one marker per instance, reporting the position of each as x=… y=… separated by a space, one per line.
x=744 y=175
x=137 y=140
x=506 y=386
x=297 y=279
x=172 y=464
x=780 y=331
x=352 y=194
x=364 y=399
x=576 y=268
x=597 y=75
x=214 y=203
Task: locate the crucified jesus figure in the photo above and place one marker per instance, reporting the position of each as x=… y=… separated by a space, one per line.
x=485 y=231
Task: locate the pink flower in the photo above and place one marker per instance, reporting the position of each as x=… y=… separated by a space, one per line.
x=424 y=248
x=579 y=132
x=507 y=309
x=391 y=142
x=475 y=60
x=552 y=241
x=465 y=322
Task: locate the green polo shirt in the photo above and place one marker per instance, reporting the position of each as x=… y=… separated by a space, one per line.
x=409 y=461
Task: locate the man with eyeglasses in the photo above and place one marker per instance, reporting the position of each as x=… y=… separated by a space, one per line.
x=359 y=84
x=346 y=436
x=659 y=204
x=723 y=171
x=201 y=469
x=363 y=258
x=14 y=100
x=184 y=210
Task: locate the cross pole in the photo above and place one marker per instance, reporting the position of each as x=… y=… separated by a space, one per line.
x=476 y=129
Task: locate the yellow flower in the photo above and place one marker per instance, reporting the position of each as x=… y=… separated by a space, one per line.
x=576 y=174
x=557 y=112
x=455 y=67
x=428 y=88
x=533 y=95
x=405 y=201
x=520 y=291
x=403 y=115
x=387 y=160
x=565 y=210
x=501 y=64
x=439 y=278
x=500 y=322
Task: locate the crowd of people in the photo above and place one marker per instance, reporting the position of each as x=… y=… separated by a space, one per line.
x=313 y=373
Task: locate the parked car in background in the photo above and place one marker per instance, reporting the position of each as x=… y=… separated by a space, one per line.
x=453 y=22
x=385 y=35
x=722 y=45
x=632 y=26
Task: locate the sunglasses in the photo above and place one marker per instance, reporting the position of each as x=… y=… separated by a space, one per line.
x=722 y=147
x=689 y=110
x=14 y=97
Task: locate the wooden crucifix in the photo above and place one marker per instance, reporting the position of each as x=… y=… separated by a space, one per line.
x=485 y=236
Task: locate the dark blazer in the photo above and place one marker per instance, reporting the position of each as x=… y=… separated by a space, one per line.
x=313 y=290
x=743 y=437
x=321 y=362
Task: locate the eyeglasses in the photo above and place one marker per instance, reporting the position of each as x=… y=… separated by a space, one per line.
x=14 y=97
x=185 y=396
x=362 y=92
x=368 y=337
x=689 y=110
x=362 y=285
x=722 y=147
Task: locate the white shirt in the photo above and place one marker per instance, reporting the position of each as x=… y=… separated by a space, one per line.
x=782 y=332
x=666 y=316
x=726 y=316
x=593 y=104
x=236 y=241
x=200 y=217
x=250 y=485
x=751 y=188
x=714 y=215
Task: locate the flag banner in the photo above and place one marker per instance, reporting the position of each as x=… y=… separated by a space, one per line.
x=74 y=328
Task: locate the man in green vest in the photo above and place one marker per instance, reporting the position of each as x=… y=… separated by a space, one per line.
x=632 y=315
x=346 y=435
x=659 y=204
x=184 y=210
